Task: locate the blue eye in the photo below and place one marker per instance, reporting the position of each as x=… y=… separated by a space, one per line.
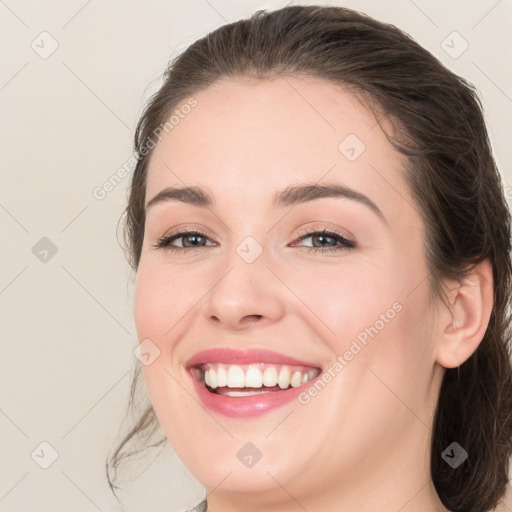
x=322 y=236
x=197 y=240
x=166 y=241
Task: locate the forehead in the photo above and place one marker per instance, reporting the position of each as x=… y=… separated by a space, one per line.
x=254 y=137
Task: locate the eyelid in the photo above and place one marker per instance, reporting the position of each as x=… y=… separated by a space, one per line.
x=189 y=229
x=323 y=227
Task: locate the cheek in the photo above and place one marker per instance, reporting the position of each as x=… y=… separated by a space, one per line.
x=343 y=300
x=373 y=317
x=162 y=299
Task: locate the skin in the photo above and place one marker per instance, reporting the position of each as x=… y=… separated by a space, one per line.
x=363 y=442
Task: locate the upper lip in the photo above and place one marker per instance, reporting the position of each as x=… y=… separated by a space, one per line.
x=244 y=356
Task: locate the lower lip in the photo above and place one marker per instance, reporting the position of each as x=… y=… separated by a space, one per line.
x=245 y=406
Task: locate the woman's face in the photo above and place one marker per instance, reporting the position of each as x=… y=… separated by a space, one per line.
x=269 y=300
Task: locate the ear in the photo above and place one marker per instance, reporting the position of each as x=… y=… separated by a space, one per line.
x=463 y=324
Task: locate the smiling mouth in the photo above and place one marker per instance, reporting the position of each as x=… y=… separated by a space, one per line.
x=241 y=380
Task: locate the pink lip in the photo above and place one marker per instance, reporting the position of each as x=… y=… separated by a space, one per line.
x=243 y=356
x=249 y=406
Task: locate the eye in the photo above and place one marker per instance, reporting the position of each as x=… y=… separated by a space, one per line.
x=194 y=239
x=190 y=240
x=323 y=236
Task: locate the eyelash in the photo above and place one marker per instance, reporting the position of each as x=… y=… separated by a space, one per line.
x=165 y=241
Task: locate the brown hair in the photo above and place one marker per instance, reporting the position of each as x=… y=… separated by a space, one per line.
x=451 y=174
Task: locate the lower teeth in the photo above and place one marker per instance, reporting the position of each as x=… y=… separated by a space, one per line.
x=243 y=393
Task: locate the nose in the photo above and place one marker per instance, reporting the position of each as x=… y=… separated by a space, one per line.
x=245 y=295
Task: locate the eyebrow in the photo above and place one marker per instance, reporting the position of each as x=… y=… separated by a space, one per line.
x=290 y=196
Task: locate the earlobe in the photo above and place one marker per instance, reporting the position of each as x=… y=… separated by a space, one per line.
x=463 y=325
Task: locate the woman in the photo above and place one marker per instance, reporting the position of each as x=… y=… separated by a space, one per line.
x=321 y=243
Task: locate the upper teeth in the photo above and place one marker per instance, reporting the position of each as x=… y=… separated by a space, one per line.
x=255 y=375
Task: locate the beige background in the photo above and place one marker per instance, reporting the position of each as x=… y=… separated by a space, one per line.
x=66 y=326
